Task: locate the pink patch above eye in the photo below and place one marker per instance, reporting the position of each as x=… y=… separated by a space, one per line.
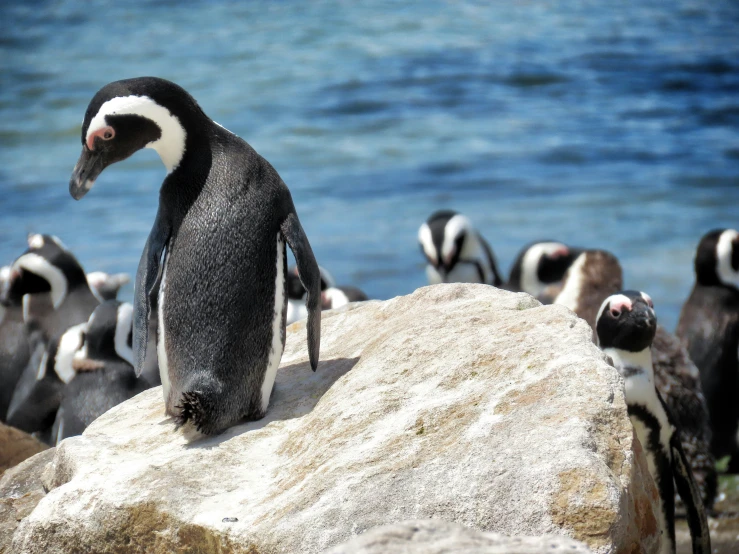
x=106 y=133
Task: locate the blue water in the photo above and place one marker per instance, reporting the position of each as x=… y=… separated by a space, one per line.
x=601 y=125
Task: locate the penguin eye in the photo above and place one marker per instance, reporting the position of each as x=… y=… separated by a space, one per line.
x=108 y=134
x=615 y=312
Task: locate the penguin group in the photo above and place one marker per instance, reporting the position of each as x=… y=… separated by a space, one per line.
x=70 y=350
x=681 y=389
x=65 y=354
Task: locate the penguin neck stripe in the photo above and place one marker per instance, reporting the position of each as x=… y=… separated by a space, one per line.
x=724 y=248
x=122 y=329
x=170 y=145
x=41 y=267
x=530 y=282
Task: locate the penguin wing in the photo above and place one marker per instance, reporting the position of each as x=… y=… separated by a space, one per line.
x=310 y=276
x=146 y=286
x=688 y=490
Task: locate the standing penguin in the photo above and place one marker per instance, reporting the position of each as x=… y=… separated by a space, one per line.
x=47 y=266
x=595 y=275
x=455 y=251
x=103 y=371
x=539 y=265
x=215 y=257
x=709 y=328
x=626 y=325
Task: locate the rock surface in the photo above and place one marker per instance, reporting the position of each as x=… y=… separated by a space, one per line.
x=21 y=489
x=16 y=446
x=433 y=536
x=458 y=402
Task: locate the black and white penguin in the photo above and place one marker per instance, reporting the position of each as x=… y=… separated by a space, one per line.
x=296 y=294
x=709 y=328
x=38 y=392
x=540 y=265
x=626 y=325
x=17 y=342
x=105 y=286
x=223 y=211
x=597 y=274
x=336 y=297
x=47 y=266
x=103 y=371
x=455 y=251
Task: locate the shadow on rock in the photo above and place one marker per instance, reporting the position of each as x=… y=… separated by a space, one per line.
x=296 y=392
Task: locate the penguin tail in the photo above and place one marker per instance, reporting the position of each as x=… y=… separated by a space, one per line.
x=193 y=409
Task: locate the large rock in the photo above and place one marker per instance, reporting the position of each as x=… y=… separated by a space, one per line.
x=433 y=536
x=458 y=402
x=16 y=446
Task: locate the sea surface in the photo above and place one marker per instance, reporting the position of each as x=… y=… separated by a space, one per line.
x=602 y=124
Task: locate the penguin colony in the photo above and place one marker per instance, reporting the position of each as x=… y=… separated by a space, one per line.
x=69 y=351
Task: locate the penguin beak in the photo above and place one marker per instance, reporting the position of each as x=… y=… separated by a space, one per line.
x=88 y=167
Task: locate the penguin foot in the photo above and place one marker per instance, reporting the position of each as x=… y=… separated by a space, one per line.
x=191 y=409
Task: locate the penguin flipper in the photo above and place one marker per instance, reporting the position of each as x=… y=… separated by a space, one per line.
x=146 y=286
x=310 y=277
x=688 y=490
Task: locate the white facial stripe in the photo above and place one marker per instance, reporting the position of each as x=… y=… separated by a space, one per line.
x=337 y=298
x=455 y=226
x=278 y=345
x=573 y=283
x=647 y=299
x=424 y=238
x=529 y=280
x=122 y=330
x=724 y=247
x=170 y=146
x=35 y=241
x=69 y=345
x=41 y=371
x=41 y=267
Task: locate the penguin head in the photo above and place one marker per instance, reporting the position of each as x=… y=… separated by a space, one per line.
x=125 y=116
x=295 y=290
x=47 y=266
x=717 y=259
x=109 y=332
x=443 y=237
x=541 y=264
x=626 y=321
x=106 y=286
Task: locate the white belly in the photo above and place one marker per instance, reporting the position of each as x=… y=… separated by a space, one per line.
x=161 y=340
x=296 y=310
x=278 y=345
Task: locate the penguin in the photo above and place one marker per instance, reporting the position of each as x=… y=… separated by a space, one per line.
x=540 y=265
x=455 y=251
x=336 y=297
x=296 y=307
x=37 y=395
x=17 y=342
x=709 y=328
x=626 y=325
x=332 y=296
x=103 y=371
x=105 y=286
x=47 y=266
x=597 y=274
x=223 y=211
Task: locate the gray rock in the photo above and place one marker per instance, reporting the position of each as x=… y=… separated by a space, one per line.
x=433 y=536
x=458 y=402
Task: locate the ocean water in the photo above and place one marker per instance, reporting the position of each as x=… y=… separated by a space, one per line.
x=606 y=125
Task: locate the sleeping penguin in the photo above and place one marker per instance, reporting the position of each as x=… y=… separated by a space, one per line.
x=709 y=328
x=626 y=325
x=455 y=251
x=223 y=212
x=103 y=371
